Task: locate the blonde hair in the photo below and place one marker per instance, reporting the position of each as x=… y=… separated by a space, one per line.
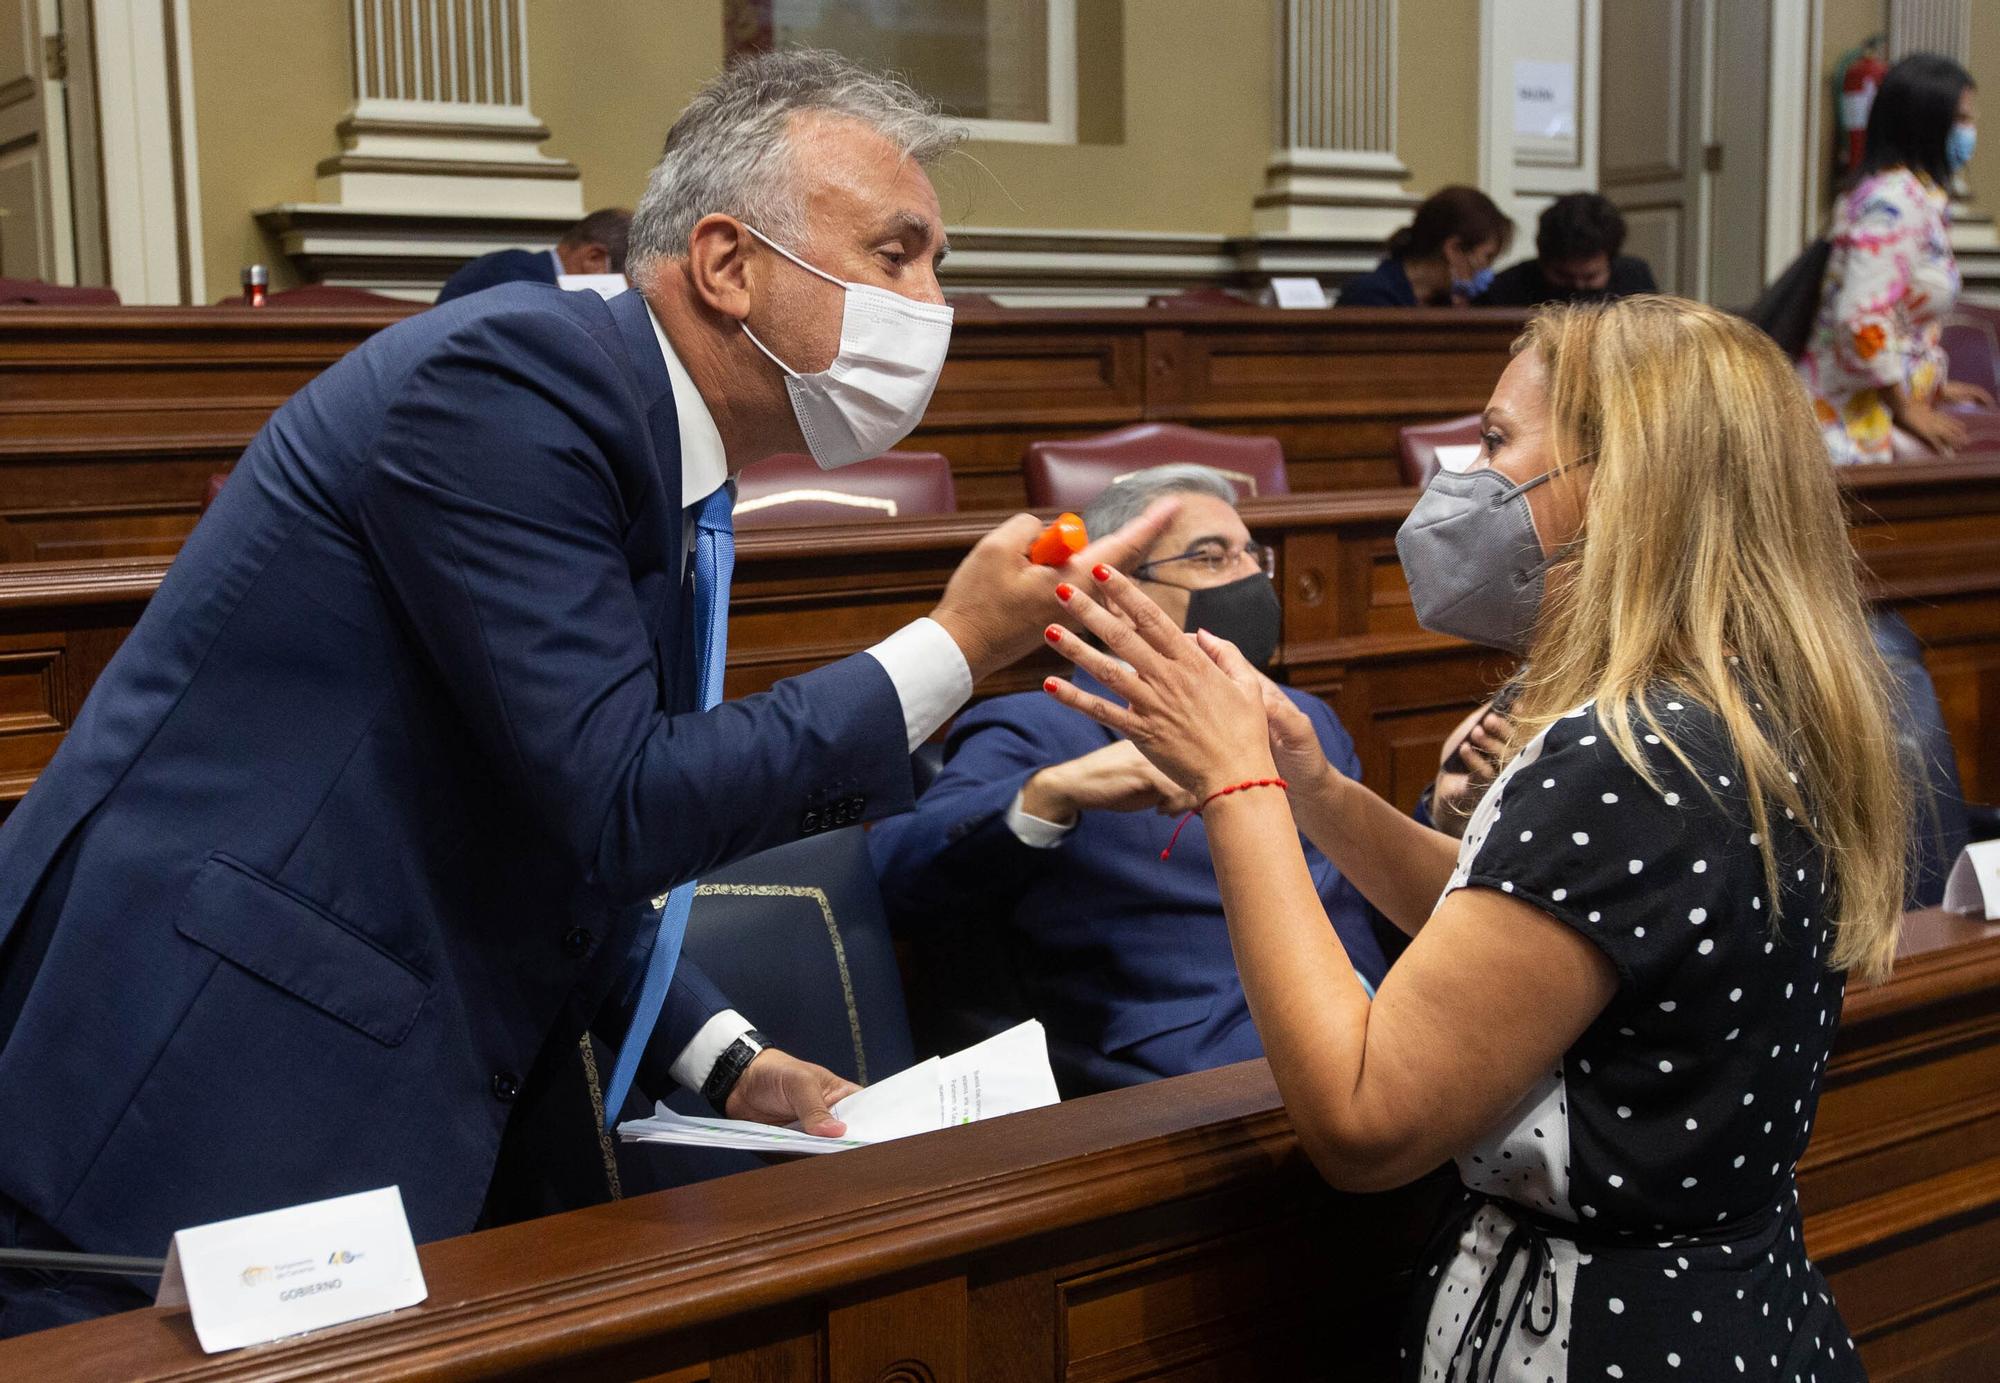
x=1726 y=570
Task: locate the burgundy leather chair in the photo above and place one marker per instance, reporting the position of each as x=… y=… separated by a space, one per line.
x=324 y=295
x=35 y=293
x=1200 y=297
x=214 y=489
x=1069 y=474
x=792 y=489
x=1972 y=344
x=1417 y=447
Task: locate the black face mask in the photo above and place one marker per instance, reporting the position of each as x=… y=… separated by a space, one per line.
x=1245 y=612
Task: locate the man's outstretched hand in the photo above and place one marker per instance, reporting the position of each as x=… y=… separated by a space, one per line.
x=998 y=602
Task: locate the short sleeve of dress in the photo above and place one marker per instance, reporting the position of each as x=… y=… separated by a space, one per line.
x=1572 y=829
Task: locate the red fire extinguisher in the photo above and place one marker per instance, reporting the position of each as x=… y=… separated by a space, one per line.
x=1861 y=74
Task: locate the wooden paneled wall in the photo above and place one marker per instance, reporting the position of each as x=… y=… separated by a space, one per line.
x=1171 y=1231
x=113 y=419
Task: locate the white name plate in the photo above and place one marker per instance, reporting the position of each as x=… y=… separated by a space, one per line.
x=604 y=285
x=284 y=1272
x=1974 y=883
x=1299 y=292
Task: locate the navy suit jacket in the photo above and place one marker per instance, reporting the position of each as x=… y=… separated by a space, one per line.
x=1115 y=948
x=501 y=266
x=1386 y=285
x=365 y=814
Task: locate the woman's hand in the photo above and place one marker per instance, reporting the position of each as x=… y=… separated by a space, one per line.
x=1196 y=711
x=1941 y=432
x=1963 y=392
x=1295 y=743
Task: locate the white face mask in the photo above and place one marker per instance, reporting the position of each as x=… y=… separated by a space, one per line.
x=874 y=393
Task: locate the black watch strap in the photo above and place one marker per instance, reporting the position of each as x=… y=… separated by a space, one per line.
x=729 y=1067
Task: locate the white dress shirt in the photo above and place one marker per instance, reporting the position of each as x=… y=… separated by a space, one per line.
x=930 y=674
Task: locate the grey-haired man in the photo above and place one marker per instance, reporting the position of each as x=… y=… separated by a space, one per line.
x=371 y=816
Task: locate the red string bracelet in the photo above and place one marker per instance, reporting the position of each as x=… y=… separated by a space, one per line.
x=1224 y=792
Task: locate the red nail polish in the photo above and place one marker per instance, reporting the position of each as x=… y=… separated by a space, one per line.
x=1053 y=633
x=1064 y=592
x=1101 y=572
x=1049 y=685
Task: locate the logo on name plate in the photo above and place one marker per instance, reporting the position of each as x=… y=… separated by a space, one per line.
x=340 y=1256
x=256 y=1276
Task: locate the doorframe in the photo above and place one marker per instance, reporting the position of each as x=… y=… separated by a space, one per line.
x=1791 y=165
x=145 y=104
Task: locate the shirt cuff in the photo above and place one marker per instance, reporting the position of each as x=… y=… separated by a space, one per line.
x=692 y=1067
x=1031 y=830
x=929 y=673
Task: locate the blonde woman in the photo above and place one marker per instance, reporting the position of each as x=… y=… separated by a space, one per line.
x=1624 y=982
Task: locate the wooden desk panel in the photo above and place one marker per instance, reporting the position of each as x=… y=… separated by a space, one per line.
x=112 y=419
x=804 y=596
x=1173 y=1230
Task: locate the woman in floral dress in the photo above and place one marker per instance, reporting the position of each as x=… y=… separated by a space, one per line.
x=1874 y=361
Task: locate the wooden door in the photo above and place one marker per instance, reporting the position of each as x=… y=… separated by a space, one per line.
x=27 y=239
x=1650 y=138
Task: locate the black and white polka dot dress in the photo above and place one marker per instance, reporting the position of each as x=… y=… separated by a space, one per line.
x=1636 y=1217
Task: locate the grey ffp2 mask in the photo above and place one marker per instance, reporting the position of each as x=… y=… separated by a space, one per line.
x=1473 y=559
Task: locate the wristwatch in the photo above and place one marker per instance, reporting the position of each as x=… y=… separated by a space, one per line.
x=729 y=1067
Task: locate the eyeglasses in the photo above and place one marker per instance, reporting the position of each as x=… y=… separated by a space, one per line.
x=1213 y=558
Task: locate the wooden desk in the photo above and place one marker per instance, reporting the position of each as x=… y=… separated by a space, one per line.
x=112 y=419
x=1174 y=1226
x=1929 y=534
x=1901 y=1182
x=1172 y=1230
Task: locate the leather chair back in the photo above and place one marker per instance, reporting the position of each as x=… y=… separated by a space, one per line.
x=1200 y=297
x=35 y=293
x=1426 y=448
x=325 y=295
x=1069 y=474
x=796 y=938
x=792 y=489
x=1971 y=346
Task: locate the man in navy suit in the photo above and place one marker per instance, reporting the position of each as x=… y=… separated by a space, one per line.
x=369 y=819
x=1046 y=828
x=594 y=245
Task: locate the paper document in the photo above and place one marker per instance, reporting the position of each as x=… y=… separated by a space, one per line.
x=1002 y=1075
x=1973 y=887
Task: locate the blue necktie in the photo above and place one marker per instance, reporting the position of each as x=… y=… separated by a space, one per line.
x=714 y=560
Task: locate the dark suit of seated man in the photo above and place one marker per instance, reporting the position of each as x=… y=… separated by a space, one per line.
x=594 y=245
x=1045 y=826
x=391 y=793
x=1577 y=259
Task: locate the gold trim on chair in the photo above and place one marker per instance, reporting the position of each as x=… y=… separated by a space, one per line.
x=1248 y=482
x=832 y=934
x=597 y=1109
x=885 y=506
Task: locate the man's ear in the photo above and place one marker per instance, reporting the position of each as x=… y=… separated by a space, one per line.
x=718 y=265
x=596 y=259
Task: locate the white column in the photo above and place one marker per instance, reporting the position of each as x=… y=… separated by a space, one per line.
x=441 y=118
x=1931 y=26
x=1333 y=171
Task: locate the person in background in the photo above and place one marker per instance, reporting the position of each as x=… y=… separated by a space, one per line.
x=1874 y=360
x=1443 y=258
x=1577 y=259
x=594 y=245
x=1048 y=829
x=1617 y=1008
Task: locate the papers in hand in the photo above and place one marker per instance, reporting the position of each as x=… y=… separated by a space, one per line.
x=1002 y=1075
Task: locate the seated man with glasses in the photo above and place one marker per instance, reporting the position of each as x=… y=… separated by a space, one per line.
x=1045 y=832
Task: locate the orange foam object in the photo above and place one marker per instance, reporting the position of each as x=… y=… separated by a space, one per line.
x=1059 y=542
